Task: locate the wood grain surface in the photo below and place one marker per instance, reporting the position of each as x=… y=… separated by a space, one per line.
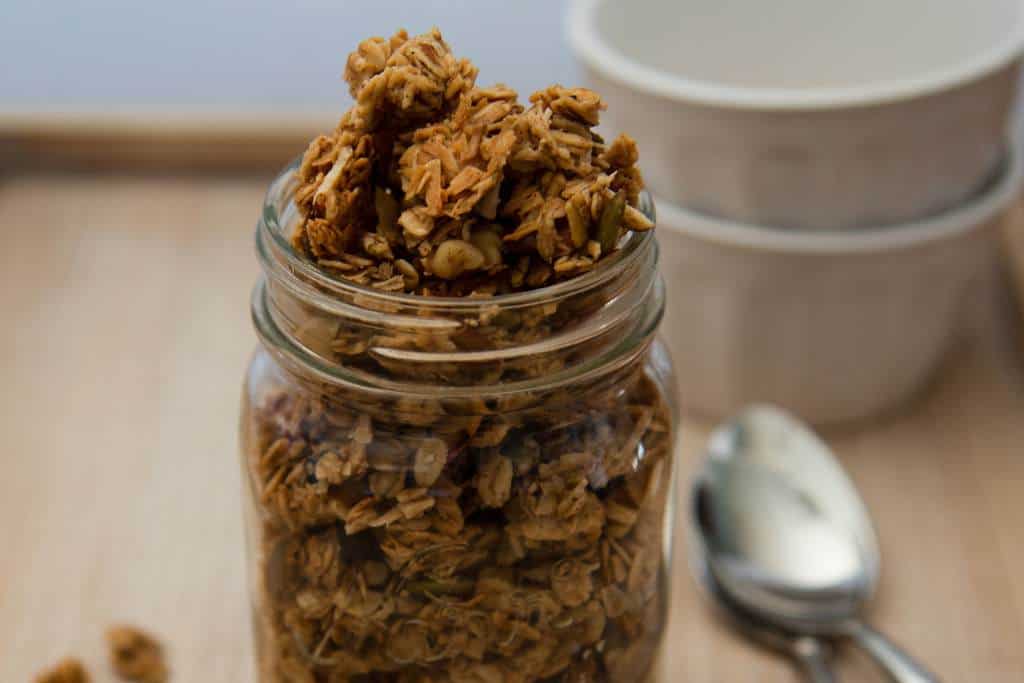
x=126 y=305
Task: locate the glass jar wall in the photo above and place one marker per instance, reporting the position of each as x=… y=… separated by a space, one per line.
x=465 y=490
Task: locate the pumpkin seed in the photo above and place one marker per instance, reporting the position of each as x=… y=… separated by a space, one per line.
x=611 y=220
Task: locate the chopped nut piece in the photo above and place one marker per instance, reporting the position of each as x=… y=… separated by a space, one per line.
x=494 y=482
x=454 y=257
x=431 y=458
x=136 y=656
x=488 y=241
x=364 y=430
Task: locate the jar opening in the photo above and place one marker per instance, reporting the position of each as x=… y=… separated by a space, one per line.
x=340 y=332
x=280 y=215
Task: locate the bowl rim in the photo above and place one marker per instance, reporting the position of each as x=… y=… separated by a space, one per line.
x=965 y=217
x=588 y=44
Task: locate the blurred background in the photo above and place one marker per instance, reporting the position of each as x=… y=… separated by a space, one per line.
x=267 y=69
x=136 y=142
x=265 y=56
x=256 y=58
x=270 y=72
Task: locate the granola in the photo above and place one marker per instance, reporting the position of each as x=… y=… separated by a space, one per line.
x=68 y=670
x=515 y=538
x=434 y=185
x=518 y=548
x=136 y=656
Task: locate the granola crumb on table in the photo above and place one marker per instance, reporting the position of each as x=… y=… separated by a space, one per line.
x=413 y=541
x=136 y=656
x=68 y=670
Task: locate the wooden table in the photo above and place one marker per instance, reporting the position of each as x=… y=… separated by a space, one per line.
x=126 y=304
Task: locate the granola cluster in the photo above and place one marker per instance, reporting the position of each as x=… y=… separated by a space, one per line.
x=407 y=547
x=136 y=656
x=434 y=185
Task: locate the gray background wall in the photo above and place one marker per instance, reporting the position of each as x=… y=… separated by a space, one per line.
x=266 y=54
x=252 y=54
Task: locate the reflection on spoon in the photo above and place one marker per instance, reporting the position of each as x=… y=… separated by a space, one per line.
x=787 y=537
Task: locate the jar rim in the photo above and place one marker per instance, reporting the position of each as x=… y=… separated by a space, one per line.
x=634 y=262
x=279 y=198
x=284 y=348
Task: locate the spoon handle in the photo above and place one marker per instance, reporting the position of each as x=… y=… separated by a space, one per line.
x=900 y=666
x=812 y=657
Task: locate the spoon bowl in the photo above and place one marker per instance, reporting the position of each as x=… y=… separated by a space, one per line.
x=807 y=651
x=786 y=537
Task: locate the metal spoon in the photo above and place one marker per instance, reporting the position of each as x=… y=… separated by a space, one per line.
x=809 y=653
x=786 y=536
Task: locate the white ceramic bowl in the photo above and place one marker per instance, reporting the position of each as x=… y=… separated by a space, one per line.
x=832 y=326
x=822 y=114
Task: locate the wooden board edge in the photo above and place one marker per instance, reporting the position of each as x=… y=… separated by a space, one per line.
x=156 y=140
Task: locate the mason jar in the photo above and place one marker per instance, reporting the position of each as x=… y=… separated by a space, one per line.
x=465 y=489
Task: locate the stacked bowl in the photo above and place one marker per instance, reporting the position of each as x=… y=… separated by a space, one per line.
x=828 y=177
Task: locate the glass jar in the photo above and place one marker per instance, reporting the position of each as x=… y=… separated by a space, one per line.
x=468 y=490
